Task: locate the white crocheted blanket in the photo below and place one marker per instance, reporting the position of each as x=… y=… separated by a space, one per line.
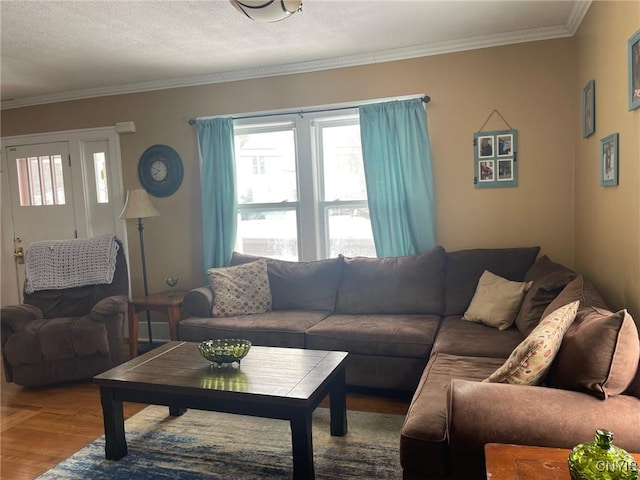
x=58 y=264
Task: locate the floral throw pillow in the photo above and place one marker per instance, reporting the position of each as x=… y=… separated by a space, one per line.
x=531 y=359
x=240 y=290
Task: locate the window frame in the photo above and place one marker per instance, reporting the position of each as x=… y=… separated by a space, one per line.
x=311 y=209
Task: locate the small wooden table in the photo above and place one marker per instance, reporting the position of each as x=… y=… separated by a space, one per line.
x=164 y=302
x=272 y=382
x=521 y=462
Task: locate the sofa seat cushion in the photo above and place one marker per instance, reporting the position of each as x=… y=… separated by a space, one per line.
x=409 y=284
x=465 y=267
x=388 y=335
x=275 y=329
x=57 y=339
x=459 y=337
x=423 y=440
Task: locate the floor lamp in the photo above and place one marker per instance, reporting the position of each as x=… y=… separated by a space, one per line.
x=138 y=205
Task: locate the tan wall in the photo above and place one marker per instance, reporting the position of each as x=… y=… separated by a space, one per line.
x=608 y=219
x=530 y=84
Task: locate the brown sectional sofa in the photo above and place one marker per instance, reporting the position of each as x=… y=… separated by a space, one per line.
x=401 y=321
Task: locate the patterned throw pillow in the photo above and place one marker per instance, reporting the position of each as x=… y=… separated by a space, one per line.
x=240 y=290
x=529 y=361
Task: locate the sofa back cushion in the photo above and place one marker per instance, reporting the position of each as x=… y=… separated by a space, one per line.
x=577 y=289
x=599 y=353
x=300 y=285
x=634 y=388
x=409 y=284
x=464 y=268
x=549 y=278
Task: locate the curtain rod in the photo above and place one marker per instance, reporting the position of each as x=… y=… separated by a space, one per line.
x=192 y=121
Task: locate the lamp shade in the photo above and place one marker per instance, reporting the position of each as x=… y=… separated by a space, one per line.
x=138 y=205
x=267 y=10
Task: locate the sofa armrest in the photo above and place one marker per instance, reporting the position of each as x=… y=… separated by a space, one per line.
x=199 y=302
x=15 y=318
x=481 y=413
x=114 y=305
x=112 y=312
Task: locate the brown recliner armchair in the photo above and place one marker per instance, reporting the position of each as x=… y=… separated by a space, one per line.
x=68 y=334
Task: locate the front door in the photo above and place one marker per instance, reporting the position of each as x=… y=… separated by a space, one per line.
x=57 y=186
x=41 y=203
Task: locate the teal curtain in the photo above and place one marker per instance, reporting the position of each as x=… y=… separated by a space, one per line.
x=399 y=178
x=219 y=203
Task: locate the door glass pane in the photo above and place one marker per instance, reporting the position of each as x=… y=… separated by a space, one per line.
x=59 y=180
x=40 y=180
x=266 y=167
x=47 y=181
x=349 y=232
x=100 y=169
x=342 y=163
x=268 y=233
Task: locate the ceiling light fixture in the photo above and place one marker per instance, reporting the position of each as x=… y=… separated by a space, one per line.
x=267 y=10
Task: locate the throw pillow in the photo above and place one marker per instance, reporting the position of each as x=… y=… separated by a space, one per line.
x=577 y=289
x=496 y=301
x=530 y=360
x=240 y=290
x=465 y=267
x=549 y=278
x=300 y=285
x=599 y=353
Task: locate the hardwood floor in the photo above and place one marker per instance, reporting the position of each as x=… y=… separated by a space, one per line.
x=40 y=427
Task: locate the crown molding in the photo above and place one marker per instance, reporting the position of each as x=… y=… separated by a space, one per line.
x=439 y=48
x=576 y=16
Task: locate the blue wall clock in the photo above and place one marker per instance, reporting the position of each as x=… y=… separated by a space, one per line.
x=160 y=170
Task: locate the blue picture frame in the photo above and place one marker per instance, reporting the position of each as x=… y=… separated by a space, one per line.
x=495 y=159
x=633 y=48
x=589 y=109
x=609 y=160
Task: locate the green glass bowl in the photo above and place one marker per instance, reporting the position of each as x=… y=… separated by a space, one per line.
x=224 y=351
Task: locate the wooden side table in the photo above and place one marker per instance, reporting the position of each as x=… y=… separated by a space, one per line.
x=159 y=302
x=521 y=462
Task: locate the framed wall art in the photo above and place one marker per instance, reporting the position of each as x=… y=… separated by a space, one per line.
x=634 y=71
x=589 y=109
x=609 y=160
x=495 y=162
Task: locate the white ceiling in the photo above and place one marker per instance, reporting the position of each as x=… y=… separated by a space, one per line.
x=56 y=50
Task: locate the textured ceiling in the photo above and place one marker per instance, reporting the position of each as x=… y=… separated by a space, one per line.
x=56 y=50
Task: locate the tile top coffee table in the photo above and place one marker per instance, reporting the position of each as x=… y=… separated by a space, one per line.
x=282 y=383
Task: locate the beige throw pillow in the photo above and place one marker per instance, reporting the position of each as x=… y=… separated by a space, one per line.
x=530 y=360
x=240 y=290
x=496 y=301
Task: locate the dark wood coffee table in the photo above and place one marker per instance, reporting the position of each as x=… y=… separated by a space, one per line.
x=282 y=383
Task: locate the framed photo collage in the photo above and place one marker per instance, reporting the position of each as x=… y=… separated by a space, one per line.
x=495 y=159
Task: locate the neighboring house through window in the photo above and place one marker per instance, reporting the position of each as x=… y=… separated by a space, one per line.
x=300 y=187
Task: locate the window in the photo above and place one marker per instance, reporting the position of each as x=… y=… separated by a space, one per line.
x=40 y=180
x=100 y=169
x=300 y=188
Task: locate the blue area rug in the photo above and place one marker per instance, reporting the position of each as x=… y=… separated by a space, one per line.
x=218 y=446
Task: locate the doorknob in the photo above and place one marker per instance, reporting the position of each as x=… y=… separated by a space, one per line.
x=19 y=255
